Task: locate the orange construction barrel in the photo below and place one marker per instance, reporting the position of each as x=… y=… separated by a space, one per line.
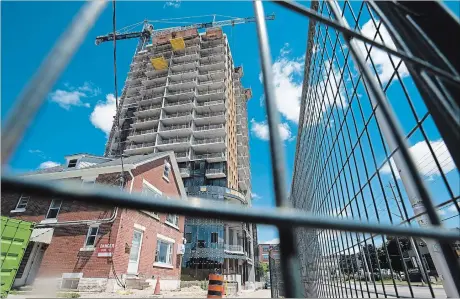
x=216 y=286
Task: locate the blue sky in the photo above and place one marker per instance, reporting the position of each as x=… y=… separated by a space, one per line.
x=75 y=115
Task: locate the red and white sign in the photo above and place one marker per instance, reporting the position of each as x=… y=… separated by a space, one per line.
x=105 y=250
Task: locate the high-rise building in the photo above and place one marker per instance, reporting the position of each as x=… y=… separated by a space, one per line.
x=184 y=94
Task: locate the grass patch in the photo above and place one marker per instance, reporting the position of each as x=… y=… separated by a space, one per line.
x=13 y=292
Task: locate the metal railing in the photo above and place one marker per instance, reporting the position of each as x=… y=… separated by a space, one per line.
x=176 y=127
x=178 y=114
x=177 y=103
x=210 y=103
x=174 y=140
x=216 y=171
x=213 y=91
x=173 y=73
x=181 y=154
x=211 y=81
x=210 y=114
x=149 y=107
x=181 y=81
x=174 y=92
x=208 y=140
x=209 y=127
x=142 y=132
x=417 y=49
x=144 y=119
x=140 y=145
x=209 y=155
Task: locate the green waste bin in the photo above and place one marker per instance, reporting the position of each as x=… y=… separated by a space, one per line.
x=15 y=236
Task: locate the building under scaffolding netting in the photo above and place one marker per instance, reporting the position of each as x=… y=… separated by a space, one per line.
x=347 y=164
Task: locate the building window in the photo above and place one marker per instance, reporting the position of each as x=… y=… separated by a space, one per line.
x=91 y=236
x=54 y=209
x=188 y=237
x=214 y=237
x=265 y=256
x=153 y=192
x=22 y=202
x=166 y=170
x=172 y=219
x=72 y=163
x=201 y=244
x=164 y=252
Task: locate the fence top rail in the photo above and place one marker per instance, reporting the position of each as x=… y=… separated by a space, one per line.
x=286 y=217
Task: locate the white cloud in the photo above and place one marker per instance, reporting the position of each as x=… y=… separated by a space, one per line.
x=72 y=96
x=452 y=209
x=260 y=129
x=48 y=164
x=287 y=76
x=65 y=99
x=425 y=161
x=273 y=241
x=256 y=196
x=103 y=113
x=380 y=58
x=441 y=212
x=172 y=3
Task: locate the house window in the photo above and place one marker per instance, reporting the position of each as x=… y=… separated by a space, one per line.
x=22 y=202
x=188 y=238
x=166 y=170
x=54 y=209
x=72 y=163
x=164 y=252
x=151 y=191
x=91 y=236
x=265 y=256
x=214 y=237
x=172 y=219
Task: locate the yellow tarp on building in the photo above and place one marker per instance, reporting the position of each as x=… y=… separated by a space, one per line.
x=159 y=63
x=177 y=43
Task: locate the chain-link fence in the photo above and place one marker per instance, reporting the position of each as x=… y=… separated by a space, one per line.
x=353 y=161
x=276 y=279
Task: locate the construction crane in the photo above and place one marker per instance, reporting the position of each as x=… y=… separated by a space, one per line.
x=148 y=31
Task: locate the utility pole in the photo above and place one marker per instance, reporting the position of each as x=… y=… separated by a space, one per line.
x=412 y=243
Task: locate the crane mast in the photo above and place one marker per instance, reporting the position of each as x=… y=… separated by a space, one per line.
x=148 y=31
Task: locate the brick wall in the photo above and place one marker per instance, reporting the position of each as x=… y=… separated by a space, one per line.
x=64 y=254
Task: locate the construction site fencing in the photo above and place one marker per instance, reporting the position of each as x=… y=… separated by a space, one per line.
x=276 y=278
x=357 y=184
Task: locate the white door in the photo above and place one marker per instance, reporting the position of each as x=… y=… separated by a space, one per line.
x=134 y=253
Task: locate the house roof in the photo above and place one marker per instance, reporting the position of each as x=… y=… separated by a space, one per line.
x=129 y=163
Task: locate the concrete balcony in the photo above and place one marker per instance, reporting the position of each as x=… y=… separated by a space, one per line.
x=156 y=77
x=209 y=131
x=184 y=172
x=210 y=94
x=181 y=84
x=133 y=87
x=132 y=99
x=143 y=135
x=182 y=156
x=186 y=55
x=179 y=144
x=211 y=66
x=208 y=74
x=148 y=111
x=212 y=45
x=214 y=144
x=177 y=118
x=183 y=66
x=175 y=131
x=234 y=249
x=211 y=84
x=179 y=75
x=210 y=106
x=180 y=94
x=145 y=123
x=215 y=173
x=152 y=87
x=152 y=99
x=140 y=148
x=211 y=118
x=179 y=106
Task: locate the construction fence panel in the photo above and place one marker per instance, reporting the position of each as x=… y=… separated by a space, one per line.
x=375 y=177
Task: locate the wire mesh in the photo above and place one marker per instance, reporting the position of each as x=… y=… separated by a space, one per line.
x=346 y=164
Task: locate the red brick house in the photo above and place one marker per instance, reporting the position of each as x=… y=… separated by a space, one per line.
x=99 y=247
